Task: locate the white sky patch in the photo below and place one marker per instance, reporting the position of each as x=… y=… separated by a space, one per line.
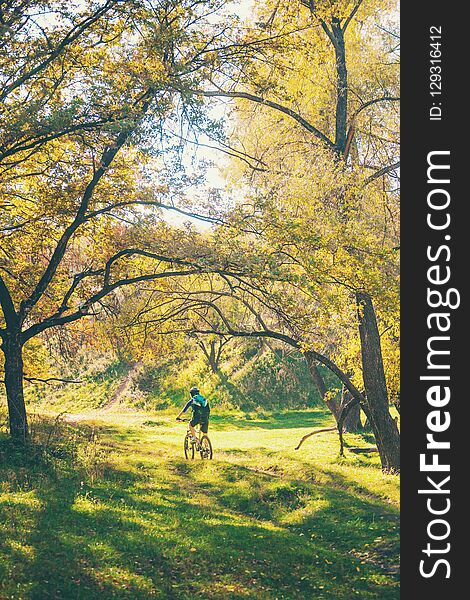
x=244 y=9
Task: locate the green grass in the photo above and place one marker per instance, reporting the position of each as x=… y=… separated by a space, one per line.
x=259 y=521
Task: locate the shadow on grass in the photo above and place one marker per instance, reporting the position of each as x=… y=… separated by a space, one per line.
x=191 y=530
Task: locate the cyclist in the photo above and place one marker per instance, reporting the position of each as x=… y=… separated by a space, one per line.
x=201 y=411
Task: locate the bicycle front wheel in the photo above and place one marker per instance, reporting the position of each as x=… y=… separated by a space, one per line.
x=206 y=448
x=188 y=448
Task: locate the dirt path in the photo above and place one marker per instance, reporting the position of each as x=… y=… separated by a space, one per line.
x=125 y=385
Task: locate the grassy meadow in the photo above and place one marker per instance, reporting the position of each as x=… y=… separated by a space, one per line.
x=105 y=506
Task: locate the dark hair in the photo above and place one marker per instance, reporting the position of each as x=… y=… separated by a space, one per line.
x=193 y=391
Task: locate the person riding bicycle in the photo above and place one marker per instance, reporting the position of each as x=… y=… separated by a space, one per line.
x=201 y=411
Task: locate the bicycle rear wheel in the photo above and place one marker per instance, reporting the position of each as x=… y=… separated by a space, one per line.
x=188 y=448
x=206 y=448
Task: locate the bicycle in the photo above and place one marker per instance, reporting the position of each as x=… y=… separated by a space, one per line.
x=202 y=445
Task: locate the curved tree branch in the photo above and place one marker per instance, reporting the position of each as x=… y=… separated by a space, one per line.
x=276 y=106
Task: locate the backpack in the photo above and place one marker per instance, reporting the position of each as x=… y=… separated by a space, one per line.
x=199 y=401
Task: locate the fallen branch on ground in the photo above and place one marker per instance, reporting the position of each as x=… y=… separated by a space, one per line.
x=50 y=379
x=314 y=433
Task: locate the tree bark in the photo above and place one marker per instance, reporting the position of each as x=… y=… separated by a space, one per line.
x=352 y=422
x=341 y=87
x=13 y=351
x=384 y=427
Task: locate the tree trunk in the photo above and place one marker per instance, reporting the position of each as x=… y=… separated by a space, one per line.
x=213 y=358
x=13 y=351
x=384 y=427
x=341 y=88
x=352 y=422
x=212 y=355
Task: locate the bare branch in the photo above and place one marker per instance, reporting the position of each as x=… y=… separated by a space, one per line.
x=375 y=101
x=275 y=105
x=124 y=204
x=383 y=171
x=352 y=14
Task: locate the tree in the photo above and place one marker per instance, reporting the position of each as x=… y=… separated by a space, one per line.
x=212 y=350
x=323 y=187
x=95 y=80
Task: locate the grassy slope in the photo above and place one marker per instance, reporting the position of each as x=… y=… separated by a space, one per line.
x=155 y=526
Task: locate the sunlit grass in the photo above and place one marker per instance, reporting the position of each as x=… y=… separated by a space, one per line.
x=261 y=520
